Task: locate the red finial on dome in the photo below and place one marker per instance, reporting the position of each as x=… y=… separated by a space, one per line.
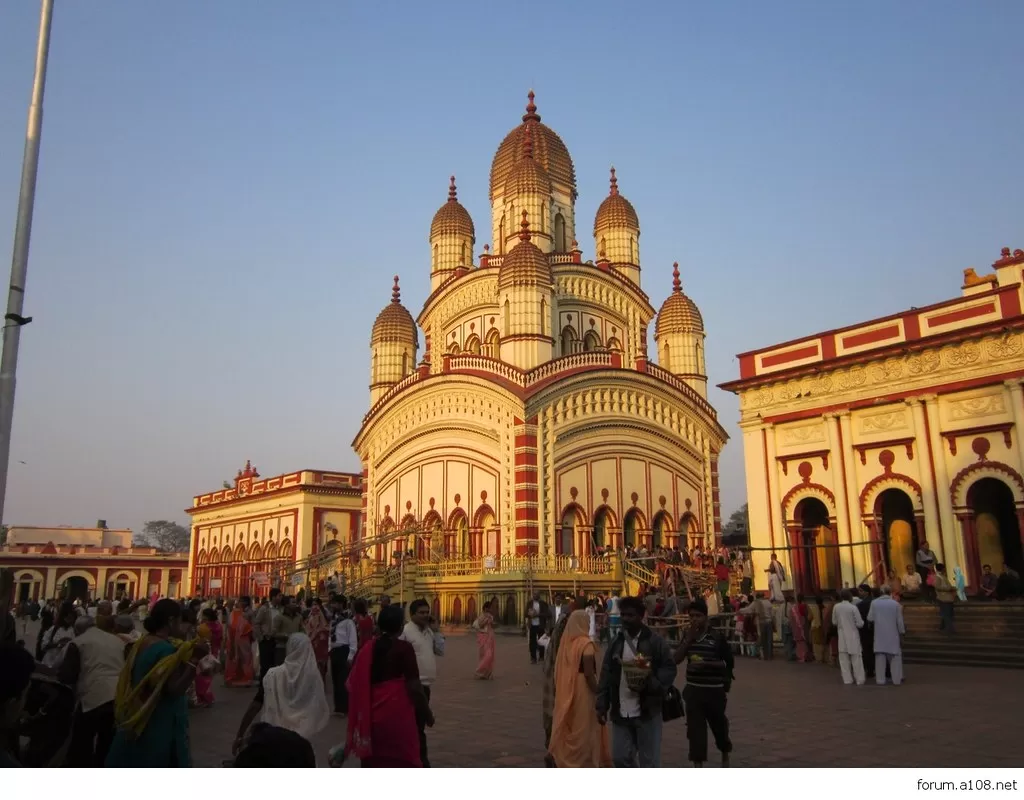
x=527 y=143
x=677 y=285
x=614 y=188
x=531 y=109
x=524 y=232
x=396 y=293
x=452 y=196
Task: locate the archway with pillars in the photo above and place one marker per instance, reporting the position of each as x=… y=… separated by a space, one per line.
x=601 y=535
x=633 y=526
x=897 y=532
x=661 y=530
x=431 y=543
x=486 y=534
x=993 y=535
x=813 y=551
x=569 y=531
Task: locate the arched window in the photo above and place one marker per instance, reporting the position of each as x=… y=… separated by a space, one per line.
x=543 y=317
x=507 y=314
x=632 y=250
x=568 y=340
x=614 y=344
x=454 y=349
x=668 y=357
x=373 y=366
x=473 y=345
x=405 y=363
x=433 y=263
x=560 y=243
x=492 y=345
x=501 y=235
x=601 y=248
x=591 y=342
x=462 y=254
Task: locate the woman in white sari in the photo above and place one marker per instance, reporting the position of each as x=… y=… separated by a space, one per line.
x=291 y=695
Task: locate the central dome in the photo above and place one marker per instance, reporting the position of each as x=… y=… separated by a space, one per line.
x=548 y=149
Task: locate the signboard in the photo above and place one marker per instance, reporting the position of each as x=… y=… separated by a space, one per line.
x=215 y=583
x=489 y=562
x=297 y=579
x=260 y=578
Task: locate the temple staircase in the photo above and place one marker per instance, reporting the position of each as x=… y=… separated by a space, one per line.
x=987 y=635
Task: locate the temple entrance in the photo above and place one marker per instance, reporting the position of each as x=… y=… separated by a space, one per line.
x=815 y=558
x=996 y=526
x=660 y=531
x=899 y=536
x=600 y=534
x=629 y=529
x=567 y=534
x=76 y=588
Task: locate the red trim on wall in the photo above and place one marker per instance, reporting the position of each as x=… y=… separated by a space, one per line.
x=960 y=315
x=870 y=337
x=795 y=354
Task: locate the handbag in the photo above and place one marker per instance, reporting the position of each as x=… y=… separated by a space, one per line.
x=672 y=705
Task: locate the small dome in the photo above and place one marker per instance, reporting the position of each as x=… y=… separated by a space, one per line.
x=678 y=314
x=615 y=210
x=527 y=176
x=525 y=264
x=549 y=151
x=452 y=217
x=394 y=323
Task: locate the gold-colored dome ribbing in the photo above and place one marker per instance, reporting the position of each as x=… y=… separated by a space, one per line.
x=452 y=217
x=527 y=176
x=548 y=149
x=525 y=264
x=615 y=210
x=678 y=314
x=394 y=323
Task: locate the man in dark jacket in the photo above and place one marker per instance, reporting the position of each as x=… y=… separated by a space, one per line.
x=538 y=622
x=635 y=716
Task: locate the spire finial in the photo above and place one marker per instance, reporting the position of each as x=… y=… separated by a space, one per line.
x=677 y=285
x=524 y=232
x=614 y=184
x=396 y=293
x=453 y=197
x=527 y=143
x=531 y=109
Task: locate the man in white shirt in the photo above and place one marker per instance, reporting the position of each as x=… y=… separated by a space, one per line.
x=538 y=618
x=343 y=646
x=424 y=634
x=911 y=581
x=848 y=621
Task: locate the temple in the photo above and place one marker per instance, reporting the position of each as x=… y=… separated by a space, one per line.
x=861 y=443
x=518 y=426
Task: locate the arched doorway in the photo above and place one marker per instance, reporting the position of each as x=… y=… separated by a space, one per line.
x=629 y=525
x=815 y=558
x=996 y=525
x=895 y=511
x=510 y=610
x=602 y=521
x=76 y=588
x=660 y=530
x=566 y=543
x=456 y=615
x=471 y=611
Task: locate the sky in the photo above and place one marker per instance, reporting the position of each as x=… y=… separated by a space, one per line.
x=226 y=189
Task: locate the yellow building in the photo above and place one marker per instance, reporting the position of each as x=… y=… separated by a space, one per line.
x=250 y=536
x=88 y=563
x=862 y=442
x=533 y=429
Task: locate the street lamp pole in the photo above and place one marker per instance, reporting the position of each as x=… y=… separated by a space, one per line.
x=13 y=321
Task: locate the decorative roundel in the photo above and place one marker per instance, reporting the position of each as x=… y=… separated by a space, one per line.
x=604 y=495
x=805 y=469
x=662 y=501
x=573 y=492
x=886 y=459
x=634 y=497
x=483 y=496
x=981 y=446
x=458 y=499
x=408 y=505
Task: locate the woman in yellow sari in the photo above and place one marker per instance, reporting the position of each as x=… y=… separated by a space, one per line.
x=577 y=738
x=150 y=707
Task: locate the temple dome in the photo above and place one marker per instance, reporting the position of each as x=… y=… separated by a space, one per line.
x=525 y=264
x=394 y=323
x=452 y=217
x=678 y=314
x=549 y=151
x=615 y=210
x=527 y=176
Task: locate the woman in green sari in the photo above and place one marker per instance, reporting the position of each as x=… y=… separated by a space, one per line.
x=151 y=707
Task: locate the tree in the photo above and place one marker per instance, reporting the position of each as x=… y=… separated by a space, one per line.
x=165 y=536
x=3 y=535
x=735 y=530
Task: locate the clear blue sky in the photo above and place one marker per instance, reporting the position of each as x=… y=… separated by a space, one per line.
x=227 y=188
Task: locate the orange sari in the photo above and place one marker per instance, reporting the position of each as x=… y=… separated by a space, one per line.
x=577 y=738
x=486 y=643
x=238 y=659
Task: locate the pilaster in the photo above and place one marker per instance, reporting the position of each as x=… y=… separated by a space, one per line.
x=927 y=460
x=949 y=552
x=844 y=501
x=859 y=555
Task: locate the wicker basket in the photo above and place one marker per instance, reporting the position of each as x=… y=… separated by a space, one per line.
x=636 y=677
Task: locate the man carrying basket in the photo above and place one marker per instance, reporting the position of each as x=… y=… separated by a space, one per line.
x=638 y=669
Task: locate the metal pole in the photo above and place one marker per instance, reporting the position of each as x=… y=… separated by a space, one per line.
x=13 y=321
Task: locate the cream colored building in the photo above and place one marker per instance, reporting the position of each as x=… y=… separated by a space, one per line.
x=532 y=420
x=263 y=526
x=861 y=442
x=88 y=563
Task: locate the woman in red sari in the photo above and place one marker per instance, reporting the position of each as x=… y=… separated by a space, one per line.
x=319 y=633
x=238 y=657
x=798 y=623
x=385 y=698
x=364 y=622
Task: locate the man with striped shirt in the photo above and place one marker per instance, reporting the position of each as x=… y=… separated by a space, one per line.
x=709 y=664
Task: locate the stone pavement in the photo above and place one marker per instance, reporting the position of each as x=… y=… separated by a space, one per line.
x=782 y=715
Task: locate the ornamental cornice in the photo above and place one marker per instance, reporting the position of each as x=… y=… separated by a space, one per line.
x=479 y=289
x=908 y=372
x=566 y=434
x=592 y=289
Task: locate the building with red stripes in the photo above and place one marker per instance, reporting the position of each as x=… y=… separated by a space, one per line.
x=533 y=420
x=861 y=443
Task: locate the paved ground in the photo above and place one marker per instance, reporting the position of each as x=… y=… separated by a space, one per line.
x=782 y=715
